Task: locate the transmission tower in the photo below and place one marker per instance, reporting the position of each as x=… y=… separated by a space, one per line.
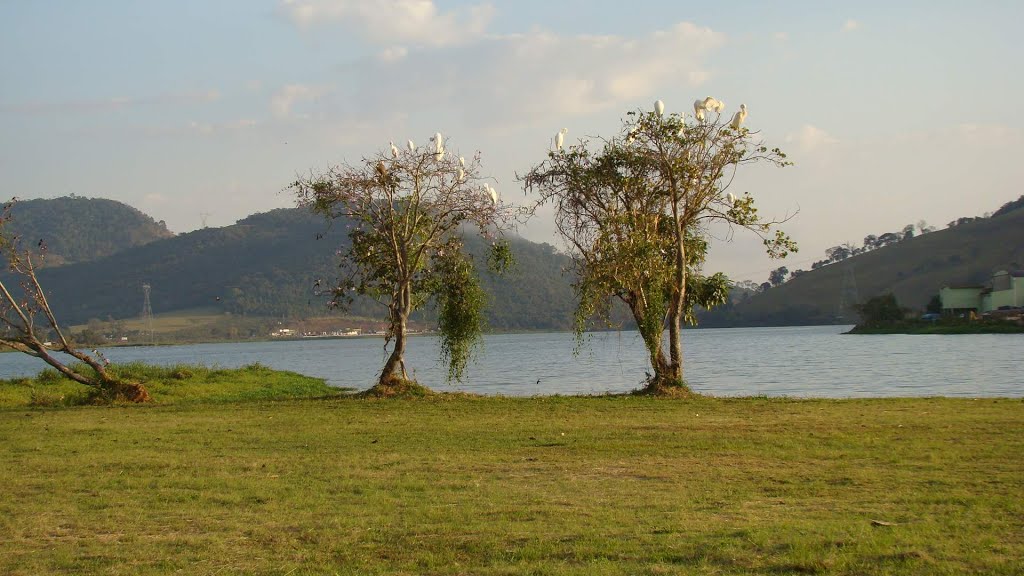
x=204 y=216
x=848 y=295
x=147 y=311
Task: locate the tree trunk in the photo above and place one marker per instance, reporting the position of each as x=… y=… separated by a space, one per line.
x=675 y=313
x=665 y=372
x=399 y=326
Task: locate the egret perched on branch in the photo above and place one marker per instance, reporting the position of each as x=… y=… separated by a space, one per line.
x=412 y=146
x=462 y=161
x=394 y=150
x=659 y=107
x=381 y=170
x=491 y=192
x=461 y=174
x=731 y=198
x=698 y=110
x=560 y=138
x=739 y=117
x=714 y=105
x=438 y=146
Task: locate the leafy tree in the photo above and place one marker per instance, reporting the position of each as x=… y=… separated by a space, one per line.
x=934 y=305
x=837 y=253
x=634 y=210
x=908 y=232
x=1010 y=206
x=28 y=321
x=880 y=311
x=405 y=211
x=888 y=238
x=778 y=276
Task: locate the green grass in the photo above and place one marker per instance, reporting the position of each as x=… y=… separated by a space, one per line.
x=171 y=384
x=464 y=485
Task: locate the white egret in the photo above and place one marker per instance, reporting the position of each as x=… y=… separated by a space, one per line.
x=659 y=107
x=438 y=146
x=394 y=150
x=739 y=117
x=461 y=174
x=732 y=198
x=493 y=193
x=698 y=110
x=711 y=104
x=560 y=138
x=462 y=161
x=412 y=146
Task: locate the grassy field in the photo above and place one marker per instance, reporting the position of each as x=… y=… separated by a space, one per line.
x=464 y=485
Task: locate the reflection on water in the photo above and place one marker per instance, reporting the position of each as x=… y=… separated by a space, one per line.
x=792 y=361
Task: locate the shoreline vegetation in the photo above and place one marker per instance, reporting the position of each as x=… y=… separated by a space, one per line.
x=258 y=471
x=941 y=328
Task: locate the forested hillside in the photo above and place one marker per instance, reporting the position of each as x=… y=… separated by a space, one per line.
x=77 y=229
x=270 y=264
x=914 y=270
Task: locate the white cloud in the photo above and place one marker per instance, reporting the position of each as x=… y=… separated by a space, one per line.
x=283 y=102
x=395 y=21
x=850 y=25
x=393 y=54
x=810 y=138
x=113 y=103
x=532 y=77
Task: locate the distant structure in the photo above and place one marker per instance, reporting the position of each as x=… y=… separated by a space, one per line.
x=204 y=216
x=147 y=311
x=848 y=295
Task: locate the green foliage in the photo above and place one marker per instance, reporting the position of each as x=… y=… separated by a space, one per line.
x=460 y=302
x=635 y=211
x=880 y=311
x=408 y=211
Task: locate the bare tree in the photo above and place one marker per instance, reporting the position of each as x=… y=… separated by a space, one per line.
x=406 y=210
x=27 y=319
x=635 y=211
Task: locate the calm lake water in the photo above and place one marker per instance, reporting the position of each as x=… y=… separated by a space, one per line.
x=814 y=361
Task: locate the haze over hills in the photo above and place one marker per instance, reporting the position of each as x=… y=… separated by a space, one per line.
x=78 y=229
x=268 y=264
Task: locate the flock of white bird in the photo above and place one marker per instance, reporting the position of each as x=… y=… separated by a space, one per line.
x=438 y=140
x=700 y=108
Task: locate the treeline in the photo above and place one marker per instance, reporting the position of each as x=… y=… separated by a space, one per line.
x=77 y=229
x=874 y=242
x=282 y=264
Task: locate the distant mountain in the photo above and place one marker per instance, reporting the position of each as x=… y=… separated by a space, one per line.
x=268 y=264
x=913 y=270
x=77 y=229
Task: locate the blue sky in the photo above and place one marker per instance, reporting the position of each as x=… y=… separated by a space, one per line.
x=893 y=111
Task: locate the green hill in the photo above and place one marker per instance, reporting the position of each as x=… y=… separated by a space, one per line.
x=268 y=265
x=77 y=229
x=913 y=270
